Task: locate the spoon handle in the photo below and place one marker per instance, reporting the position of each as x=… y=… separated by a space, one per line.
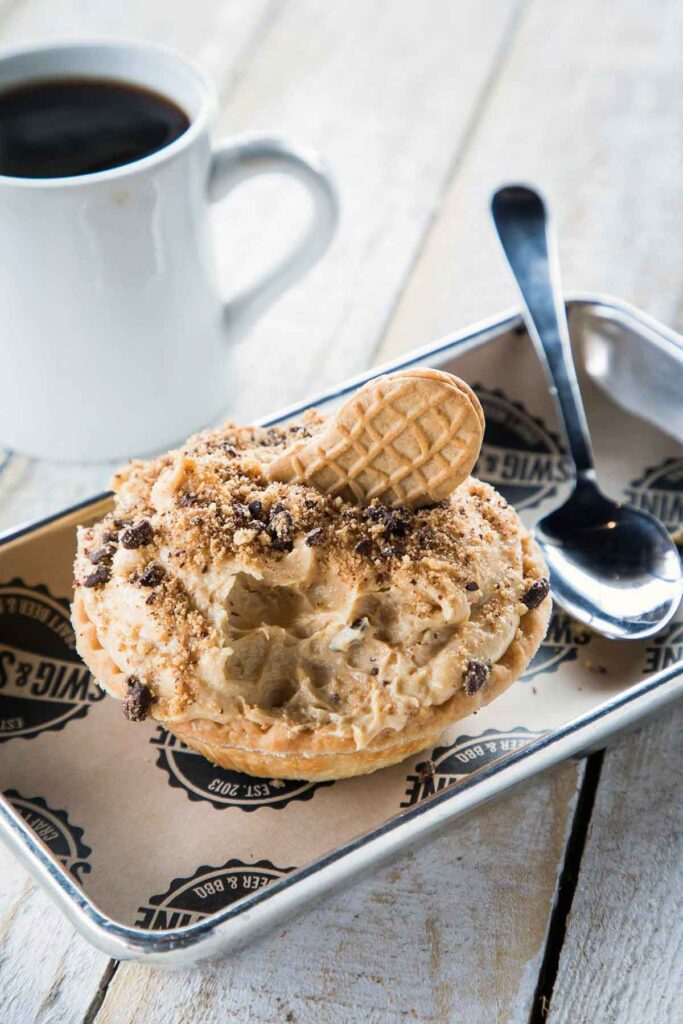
x=521 y=221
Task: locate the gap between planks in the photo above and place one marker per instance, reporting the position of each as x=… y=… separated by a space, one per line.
x=566 y=888
x=97 y=1000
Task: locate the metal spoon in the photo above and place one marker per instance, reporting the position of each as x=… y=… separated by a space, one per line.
x=612 y=567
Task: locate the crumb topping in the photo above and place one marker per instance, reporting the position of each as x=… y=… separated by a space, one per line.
x=224 y=593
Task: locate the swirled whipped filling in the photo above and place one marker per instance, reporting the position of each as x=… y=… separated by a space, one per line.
x=225 y=597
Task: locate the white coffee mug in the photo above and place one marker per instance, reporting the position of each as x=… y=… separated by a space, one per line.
x=113 y=331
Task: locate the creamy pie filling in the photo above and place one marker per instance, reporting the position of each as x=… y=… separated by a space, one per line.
x=231 y=597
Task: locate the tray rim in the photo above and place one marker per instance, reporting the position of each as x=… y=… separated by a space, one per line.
x=239 y=923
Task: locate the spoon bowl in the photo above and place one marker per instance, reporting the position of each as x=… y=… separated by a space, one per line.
x=612 y=567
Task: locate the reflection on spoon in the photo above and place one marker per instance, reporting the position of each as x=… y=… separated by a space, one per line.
x=612 y=566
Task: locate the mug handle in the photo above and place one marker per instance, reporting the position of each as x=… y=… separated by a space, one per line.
x=234 y=162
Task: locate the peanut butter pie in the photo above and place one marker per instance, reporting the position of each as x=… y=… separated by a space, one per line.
x=317 y=600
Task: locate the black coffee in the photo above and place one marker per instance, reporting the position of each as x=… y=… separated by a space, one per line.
x=62 y=127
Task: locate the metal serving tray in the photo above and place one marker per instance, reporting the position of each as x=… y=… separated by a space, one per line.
x=217 y=884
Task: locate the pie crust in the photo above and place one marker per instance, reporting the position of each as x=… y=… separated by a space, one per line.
x=316 y=756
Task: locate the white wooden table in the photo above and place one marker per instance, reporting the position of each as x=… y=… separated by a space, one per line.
x=563 y=902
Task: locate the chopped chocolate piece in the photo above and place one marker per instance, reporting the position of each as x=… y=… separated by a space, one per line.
x=427 y=772
x=363 y=547
x=476 y=674
x=187 y=498
x=151 y=599
x=284 y=544
x=314 y=537
x=274 y=436
x=386 y=682
x=101 y=575
x=151 y=575
x=138 y=700
x=231 y=451
x=537 y=592
x=374 y=671
x=280 y=528
x=102 y=555
x=138 y=536
x=109 y=537
x=397 y=522
x=472 y=585
x=242 y=512
x=256 y=509
x=335 y=698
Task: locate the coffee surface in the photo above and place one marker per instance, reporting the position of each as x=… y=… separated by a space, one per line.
x=64 y=127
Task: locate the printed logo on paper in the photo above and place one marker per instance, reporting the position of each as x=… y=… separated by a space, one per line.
x=209 y=890
x=665 y=649
x=464 y=757
x=43 y=682
x=660 y=491
x=520 y=457
x=561 y=644
x=221 y=787
x=64 y=840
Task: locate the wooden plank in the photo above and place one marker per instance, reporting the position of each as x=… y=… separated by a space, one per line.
x=48 y=973
x=218 y=36
x=582 y=107
x=452 y=932
x=388 y=96
x=622 y=960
